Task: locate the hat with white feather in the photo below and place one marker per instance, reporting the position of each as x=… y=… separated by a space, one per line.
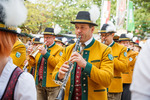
x=52 y=31
x=86 y=17
x=108 y=28
x=12 y=14
x=126 y=37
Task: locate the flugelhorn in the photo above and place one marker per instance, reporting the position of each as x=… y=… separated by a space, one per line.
x=32 y=56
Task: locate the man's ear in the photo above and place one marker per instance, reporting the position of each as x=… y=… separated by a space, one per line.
x=92 y=29
x=113 y=34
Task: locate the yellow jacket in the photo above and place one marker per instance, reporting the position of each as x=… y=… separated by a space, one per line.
x=127 y=76
x=96 y=76
x=18 y=54
x=120 y=65
x=52 y=57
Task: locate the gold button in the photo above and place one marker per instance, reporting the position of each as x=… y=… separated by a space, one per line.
x=84 y=84
x=84 y=91
x=84 y=78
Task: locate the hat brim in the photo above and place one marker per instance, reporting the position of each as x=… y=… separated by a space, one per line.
x=11 y=31
x=49 y=33
x=83 y=22
x=124 y=39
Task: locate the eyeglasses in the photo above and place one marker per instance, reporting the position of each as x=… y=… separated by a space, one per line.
x=105 y=34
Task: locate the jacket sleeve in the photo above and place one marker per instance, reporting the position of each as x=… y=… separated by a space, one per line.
x=104 y=73
x=18 y=55
x=61 y=62
x=54 y=59
x=121 y=63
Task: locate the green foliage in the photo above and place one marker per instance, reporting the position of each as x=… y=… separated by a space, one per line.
x=48 y=13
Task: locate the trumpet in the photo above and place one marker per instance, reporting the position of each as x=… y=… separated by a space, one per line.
x=32 y=56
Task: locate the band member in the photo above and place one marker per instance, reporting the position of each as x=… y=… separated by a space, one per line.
x=18 y=53
x=14 y=83
x=93 y=68
x=120 y=60
x=45 y=62
x=125 y=39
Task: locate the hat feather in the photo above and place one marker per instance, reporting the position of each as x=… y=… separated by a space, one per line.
x=57 y=29
x=15 y=12
x=111 y=27
x=129 y=35
x=94 y=13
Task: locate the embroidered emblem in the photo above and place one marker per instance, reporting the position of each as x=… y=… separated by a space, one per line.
x=125 y=54
x=130 y=59
x=110 y=57
x=18 y=54
x=60 y=53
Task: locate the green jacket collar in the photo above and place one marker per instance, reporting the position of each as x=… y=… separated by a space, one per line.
x=112 y=44
x=128 y=49
x=52 y=45
x=89 y=45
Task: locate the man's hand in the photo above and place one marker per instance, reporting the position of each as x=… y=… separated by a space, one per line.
x=62 y=71
x=76 y=57
x=42 y=50
x=30 y=49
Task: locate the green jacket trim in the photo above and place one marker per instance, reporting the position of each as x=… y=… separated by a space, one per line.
x=87 y=69
x=112 y=44
x=51 y=45
x=84 y=75
x=128 y=49
x=89 y=45
x=44 y=74
x=56 y=77
x=102 y=90
x=95 y=61
x=117 y=77
x=46 y=56
x=72 y=81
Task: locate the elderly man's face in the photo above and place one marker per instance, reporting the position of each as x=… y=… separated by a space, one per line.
x=84 y=31
x=49 y=39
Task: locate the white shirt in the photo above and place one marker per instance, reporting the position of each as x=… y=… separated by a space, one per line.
x=140 y=87
x=25 y=88
x=89 y=41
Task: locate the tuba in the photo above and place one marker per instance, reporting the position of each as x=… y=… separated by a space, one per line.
x=31 y=57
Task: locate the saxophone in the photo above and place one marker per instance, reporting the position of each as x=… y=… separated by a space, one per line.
x=64 y=82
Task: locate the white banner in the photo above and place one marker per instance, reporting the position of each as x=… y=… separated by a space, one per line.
x=105 y=13
x=120 y=14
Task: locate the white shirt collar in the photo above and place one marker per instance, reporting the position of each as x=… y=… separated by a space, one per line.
x=89 y=41
x=111 y=43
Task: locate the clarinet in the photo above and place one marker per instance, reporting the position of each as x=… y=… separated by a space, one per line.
x=62 y=90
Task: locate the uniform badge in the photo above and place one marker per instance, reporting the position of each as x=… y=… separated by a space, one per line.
x=110 y=56
x=130 y=59
x=125 y=54
x=18 y=54
x=60 y=53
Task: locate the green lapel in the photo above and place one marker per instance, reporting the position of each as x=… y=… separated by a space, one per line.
x=112 y=44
